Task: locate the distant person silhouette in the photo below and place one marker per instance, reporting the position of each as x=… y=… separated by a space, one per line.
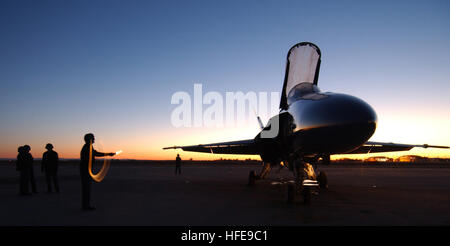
x=29 y=160
x=178 y=164
x=49 y=165
x=24 y=172
x=25 y=166
x=86 y=179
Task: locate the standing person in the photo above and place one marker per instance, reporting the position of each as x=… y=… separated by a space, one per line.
x=86 y=179
x=49 y=165
x=28 y=164
x=178 y=164
x=24 y=172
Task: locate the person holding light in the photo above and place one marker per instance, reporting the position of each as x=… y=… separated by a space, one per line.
x=86 y=178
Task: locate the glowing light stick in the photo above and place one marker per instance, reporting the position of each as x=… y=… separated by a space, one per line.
x=103 y=171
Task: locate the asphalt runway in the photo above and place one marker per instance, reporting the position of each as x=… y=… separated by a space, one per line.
x=152 y=195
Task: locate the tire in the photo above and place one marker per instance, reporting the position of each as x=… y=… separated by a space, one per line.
x=306 y=195
x=290 y=193
x=323 y=180
x=251 y=178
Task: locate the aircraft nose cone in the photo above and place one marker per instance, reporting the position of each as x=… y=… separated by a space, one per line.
x=341 y=109
x=335 y=109
x=338 y=121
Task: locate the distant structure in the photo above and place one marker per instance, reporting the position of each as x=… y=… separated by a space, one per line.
x=346 y=160
x=378 y=159
x=441 y=160
x=411 y=158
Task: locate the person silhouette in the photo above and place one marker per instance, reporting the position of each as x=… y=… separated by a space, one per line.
x=86 y=179
x=23 y=170
x=25 y=166
x=49 y=165
x=178 y=164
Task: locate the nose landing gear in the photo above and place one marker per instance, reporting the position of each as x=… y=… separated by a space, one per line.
x=306 y=182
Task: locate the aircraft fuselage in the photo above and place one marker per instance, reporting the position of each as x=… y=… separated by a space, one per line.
x=317 y=124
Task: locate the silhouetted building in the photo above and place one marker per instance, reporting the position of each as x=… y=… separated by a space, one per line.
x=439 y=160
x=378 y=159
x=410 y=158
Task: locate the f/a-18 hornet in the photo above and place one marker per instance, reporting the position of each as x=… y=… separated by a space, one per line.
x=311 y=125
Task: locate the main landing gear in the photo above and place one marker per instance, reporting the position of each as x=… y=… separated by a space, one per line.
x=306 y=180
x=252 y=177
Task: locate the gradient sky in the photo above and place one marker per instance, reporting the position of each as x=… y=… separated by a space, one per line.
x=111 y=67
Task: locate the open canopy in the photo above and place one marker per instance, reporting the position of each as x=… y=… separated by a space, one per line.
x=303 y=64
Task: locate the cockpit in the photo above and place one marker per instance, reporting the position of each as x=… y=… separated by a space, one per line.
x=305 y=90
x=302 y=73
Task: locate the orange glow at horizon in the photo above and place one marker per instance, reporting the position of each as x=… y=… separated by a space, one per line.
x=412 y=126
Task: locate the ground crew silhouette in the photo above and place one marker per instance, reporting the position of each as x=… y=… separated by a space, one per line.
x=25 y=166
x=86 y=178
x=49 y=165
x=178 y=164
x=24 y=173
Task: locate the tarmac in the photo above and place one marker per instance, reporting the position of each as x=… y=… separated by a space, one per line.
x=217 y=195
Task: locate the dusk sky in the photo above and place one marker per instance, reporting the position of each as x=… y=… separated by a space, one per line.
x=111 y=67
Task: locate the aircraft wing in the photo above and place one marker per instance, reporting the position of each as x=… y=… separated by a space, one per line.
x=374 y=147
x=242 y=147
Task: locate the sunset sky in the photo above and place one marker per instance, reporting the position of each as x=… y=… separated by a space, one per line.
x=111 y=67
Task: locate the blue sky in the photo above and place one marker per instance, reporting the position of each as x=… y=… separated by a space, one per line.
x=110 y=67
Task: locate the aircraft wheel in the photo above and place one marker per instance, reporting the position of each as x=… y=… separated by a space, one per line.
x=326 y=160
x=323 y=180
x=306 y=195
x=290 y=193
x=251 y=178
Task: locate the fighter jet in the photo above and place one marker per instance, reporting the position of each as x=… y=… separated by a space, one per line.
x=311 y=125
